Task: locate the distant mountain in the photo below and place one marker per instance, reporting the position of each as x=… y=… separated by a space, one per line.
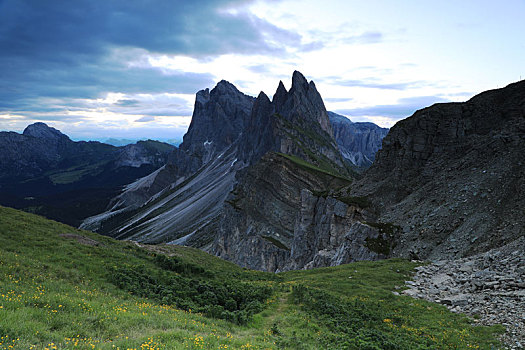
x=123 y=142
x=43 y=171
x=358 y=142
x=119 y=142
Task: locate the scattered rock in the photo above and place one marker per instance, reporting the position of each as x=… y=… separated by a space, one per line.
x=487 y=286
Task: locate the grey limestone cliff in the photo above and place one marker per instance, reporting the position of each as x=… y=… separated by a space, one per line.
x=358 y=142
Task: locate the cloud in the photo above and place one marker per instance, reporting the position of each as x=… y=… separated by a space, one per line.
x=145 y=119
x=404 y=108
x=338 y=99
x=127 y=103
x=84 y=49
x=370 y=37
x=312 y=46
x=258 y=68
x=374 y=84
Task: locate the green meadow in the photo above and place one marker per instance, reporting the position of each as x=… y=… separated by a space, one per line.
x=63 y=288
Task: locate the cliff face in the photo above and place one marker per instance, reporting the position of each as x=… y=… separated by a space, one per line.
x=358 y=142
x=452 y=176
x=218 y=120
x=284 y=215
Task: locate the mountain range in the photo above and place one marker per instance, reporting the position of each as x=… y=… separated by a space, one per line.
x=45 y=172
x=279 y=184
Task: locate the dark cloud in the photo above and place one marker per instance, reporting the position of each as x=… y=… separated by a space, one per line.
x=49 y=29
x=79 y=49
x=127 y=103
x=404 y=108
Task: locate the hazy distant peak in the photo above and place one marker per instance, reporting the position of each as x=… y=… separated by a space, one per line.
x=334 y=117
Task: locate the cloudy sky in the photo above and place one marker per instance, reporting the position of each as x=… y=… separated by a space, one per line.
x=130 y=69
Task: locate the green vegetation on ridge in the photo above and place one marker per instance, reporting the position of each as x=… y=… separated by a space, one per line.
x=59 y=289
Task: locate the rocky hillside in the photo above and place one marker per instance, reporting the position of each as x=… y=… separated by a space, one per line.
x=452 y=176
x=358 y=142
x=43 y=171
x=197 y=177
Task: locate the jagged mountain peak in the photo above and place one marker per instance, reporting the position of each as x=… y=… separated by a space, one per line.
x=262 y=96
x=42 y=130
x=299 y=82
x=217 y=121
x=224 y=87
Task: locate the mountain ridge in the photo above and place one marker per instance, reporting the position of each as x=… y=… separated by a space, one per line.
x=44 y=171
x=451 y=176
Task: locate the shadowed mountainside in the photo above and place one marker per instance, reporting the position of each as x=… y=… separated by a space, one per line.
x=43 y=171
x=452 y=176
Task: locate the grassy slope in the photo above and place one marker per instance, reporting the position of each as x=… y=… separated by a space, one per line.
x=55 y=293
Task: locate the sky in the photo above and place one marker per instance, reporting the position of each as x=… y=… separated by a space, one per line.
x=96 y=69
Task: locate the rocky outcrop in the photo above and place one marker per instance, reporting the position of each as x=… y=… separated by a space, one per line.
x=219 y=117
x=295 y=122
x=358 y=142
x=188 y=209
x=256 y=228
x=42 y=131
x=489 y=287
x=453 y=177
